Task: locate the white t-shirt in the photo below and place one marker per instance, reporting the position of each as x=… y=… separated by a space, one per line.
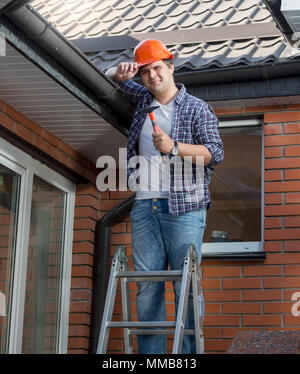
x=154 y=180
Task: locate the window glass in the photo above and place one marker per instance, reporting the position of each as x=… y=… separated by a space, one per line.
x=44 y=269
x=9 y=199
x=235 y=212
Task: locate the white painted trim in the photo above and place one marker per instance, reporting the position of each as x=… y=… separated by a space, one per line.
x=231 y=247
x=241 y=247
x=239 y=123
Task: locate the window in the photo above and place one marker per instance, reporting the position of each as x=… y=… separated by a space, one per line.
x=235 y=217
x=36 y=224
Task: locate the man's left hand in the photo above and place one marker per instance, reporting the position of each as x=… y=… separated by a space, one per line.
x=162 y=142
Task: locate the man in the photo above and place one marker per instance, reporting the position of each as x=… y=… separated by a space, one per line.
x=166 y=220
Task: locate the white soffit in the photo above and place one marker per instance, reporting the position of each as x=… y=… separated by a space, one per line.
x=37 y=96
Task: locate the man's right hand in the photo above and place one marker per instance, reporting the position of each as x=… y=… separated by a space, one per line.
x=124 y=71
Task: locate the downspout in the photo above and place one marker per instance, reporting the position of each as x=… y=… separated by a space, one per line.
x=101 y=263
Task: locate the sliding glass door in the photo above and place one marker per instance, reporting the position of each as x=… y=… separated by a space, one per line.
x=36 y=225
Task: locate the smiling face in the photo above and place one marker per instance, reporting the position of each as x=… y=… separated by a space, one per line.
x=158 y=77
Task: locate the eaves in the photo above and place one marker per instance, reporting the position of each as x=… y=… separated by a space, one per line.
x=35 y=38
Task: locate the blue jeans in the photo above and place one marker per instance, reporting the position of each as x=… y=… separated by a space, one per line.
x=158 y=239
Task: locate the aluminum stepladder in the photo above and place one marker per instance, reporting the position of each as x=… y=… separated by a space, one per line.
x=189 y=276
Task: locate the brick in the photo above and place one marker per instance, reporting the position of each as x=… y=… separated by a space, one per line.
x=290 y=270
x=292 y=151
x=282 y=163
x=82 y=259
x=282 y=210
x=222 y=295
x=292 y=198
x=221 y=271
x=239 y=308
x=212 y=308
x=273 y=152
x=81 y=283
x=79 y=330
x=221 y=320
x=292 y=174
x=277 y=140
x=283 y=258
x=261 y=320
x=282 y=117
x=217 y=345
x=273 y=175
x=84 y=224
x=290 y=320
x=280 y=282
x=241 y=283
x=276 y=234
x=275 y=222
x=272 y=246
x=83 y=236
x=261 y=270
x=277 y=307
x=121 y=238
x=273 y=198
x=109 y=204
x=80 y=307
x=292 y=128
x=261 y=295
x=282 y=186
x=292 y=246
x=212 y=332
x=87 y=200
x=292 y=221
x=272 y=129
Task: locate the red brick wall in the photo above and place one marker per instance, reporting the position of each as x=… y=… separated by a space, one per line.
x=250 y=295
x=238 y=295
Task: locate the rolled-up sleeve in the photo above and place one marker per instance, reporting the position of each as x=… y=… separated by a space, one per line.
x=206 y=133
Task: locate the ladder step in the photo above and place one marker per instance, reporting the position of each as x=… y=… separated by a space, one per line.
x=157 y=332
x=162 y=275
x=141 y=324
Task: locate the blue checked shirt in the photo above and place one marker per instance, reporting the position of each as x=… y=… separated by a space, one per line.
x=194 y=122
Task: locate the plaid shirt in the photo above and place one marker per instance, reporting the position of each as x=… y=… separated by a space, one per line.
x=193 y=122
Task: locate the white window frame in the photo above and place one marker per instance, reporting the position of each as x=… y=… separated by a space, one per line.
x=241 y=247
x=27 y=167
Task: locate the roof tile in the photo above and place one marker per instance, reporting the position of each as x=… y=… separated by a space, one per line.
x=96 y=18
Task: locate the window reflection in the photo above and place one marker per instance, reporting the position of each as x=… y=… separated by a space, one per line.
x=42 y=300
x=235 y=212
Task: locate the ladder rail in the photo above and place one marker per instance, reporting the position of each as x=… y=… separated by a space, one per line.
x=109 y=303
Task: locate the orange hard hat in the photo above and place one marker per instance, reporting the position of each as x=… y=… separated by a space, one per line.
x=149 y=51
